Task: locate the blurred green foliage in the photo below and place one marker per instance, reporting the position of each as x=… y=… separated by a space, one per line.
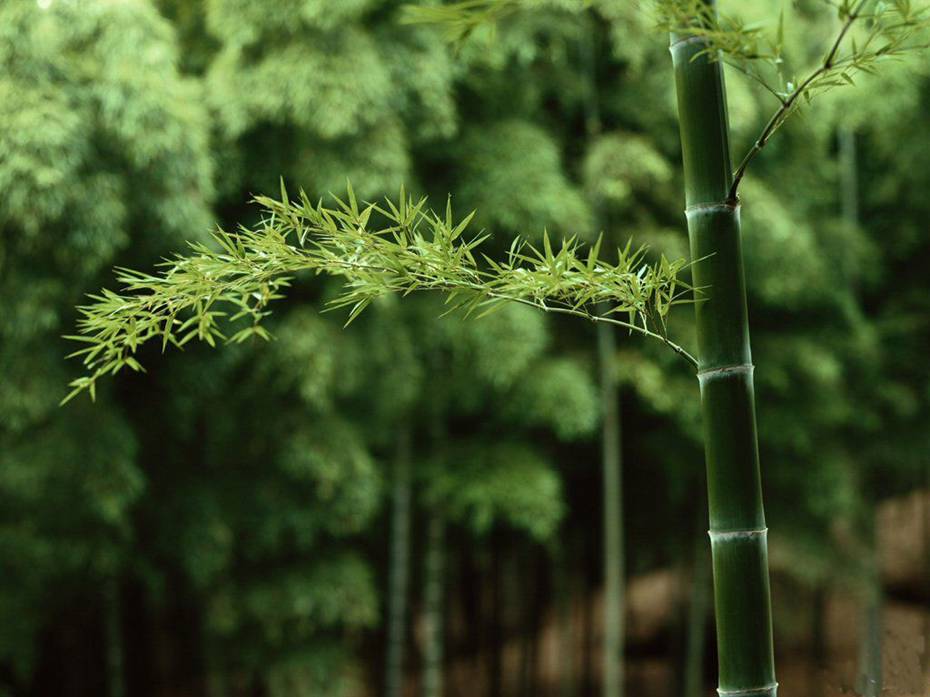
x=239 y=497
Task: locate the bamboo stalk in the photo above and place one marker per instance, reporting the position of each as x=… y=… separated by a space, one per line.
x=532 y=580
x=565 y=610
x=495 y=627
x=398 y=574
x=870 y=642
x=697 y=618
x=116 y=678
x=737 y=521
x=613 y=517
x=849 y=175
x=433 y=602
x=611 y=428
x=870 y=634
x=925 y=510
x=819 y=657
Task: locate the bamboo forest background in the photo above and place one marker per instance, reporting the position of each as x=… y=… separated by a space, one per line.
x=412 y=506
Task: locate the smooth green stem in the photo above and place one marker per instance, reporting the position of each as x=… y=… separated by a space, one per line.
x=399 y=572
x=613 y=516
x=737 y=521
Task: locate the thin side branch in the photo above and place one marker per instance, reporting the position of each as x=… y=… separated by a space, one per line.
x=787 y=105
x=892 y=28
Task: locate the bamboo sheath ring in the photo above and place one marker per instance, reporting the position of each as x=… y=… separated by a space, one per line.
x=713 y=373
x=711 y=208
x=719 y=535
x=767 y=691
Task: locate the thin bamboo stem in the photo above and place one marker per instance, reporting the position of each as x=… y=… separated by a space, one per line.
x=567 y=641
x=925 y=510
x=870 y=644
x=611 y=454
x=870 y=679
x=849 y=175
x=787 y=104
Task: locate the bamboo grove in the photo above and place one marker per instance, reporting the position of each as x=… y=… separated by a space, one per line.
x=223 y=290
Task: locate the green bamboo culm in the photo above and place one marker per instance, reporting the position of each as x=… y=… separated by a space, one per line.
x=612 y=465
x=737 y=521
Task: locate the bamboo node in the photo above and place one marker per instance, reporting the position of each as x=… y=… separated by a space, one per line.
x=728 y=206
x=721 y=535
x=713 y=373
x=767 y=691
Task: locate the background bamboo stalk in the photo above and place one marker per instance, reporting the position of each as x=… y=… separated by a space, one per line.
x=565 y=613
x=849 y=175
x=611 y=428
x=870 y=640
x=114 y=637
x=870 y=679
x=433 y=605
x=697 y=617
x=819 y=656
x=737 y=520
x=613 y=517
x=399 y=574
x=925 y=510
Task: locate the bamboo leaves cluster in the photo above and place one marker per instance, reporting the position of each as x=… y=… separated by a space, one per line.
x=221 y=293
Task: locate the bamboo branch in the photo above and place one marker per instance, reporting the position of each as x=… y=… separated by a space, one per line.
x=787 y=104
x=416 y=251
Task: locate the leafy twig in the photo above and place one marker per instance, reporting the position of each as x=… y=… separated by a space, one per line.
x=892 y=26
x=415 y=250
x=787 y=104
x=896 y=22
